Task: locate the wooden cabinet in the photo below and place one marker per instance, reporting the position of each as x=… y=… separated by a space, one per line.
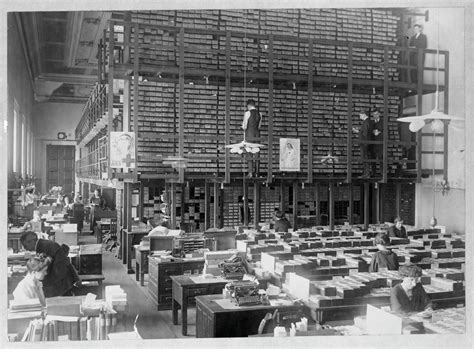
x=212 y=320
x=160 y=286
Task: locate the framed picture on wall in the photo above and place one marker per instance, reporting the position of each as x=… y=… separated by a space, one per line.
x=290 y=154
x=122 y=150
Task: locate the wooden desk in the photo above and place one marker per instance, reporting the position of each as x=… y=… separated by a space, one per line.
x=160 y=287
x=212 y=320
x=99 y=278
x=128 y=239
x=186 y=288
x=141 y=263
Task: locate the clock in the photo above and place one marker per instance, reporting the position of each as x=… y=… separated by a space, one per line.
x=62 y=135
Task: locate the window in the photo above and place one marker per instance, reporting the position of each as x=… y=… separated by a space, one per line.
x=23 y=146
x=15 y=136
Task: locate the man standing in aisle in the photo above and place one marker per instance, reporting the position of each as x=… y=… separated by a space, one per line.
x=251 y=126
x=61 y=276
x=418 y=41
x=364 y=135
x=377 y=149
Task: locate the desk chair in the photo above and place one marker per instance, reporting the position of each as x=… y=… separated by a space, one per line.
x=110 y=236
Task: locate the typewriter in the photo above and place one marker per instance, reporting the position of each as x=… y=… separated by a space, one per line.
x=245 y=293
x=233 y=269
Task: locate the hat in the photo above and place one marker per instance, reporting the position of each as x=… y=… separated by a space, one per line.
x=410 y=270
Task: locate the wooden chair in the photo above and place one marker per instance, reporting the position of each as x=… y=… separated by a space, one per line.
x=109 y=236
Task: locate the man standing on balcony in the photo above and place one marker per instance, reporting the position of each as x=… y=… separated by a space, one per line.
x=418 y=41
x=251 y=126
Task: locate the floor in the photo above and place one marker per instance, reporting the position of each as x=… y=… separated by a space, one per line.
x=151 y=323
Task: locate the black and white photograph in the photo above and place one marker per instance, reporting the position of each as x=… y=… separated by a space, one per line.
x=262 y=173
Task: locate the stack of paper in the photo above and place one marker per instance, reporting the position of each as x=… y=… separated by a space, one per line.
x=116 y=297
x=25 y=305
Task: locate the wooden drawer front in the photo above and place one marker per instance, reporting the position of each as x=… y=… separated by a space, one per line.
x=164 y=299
x=215 y=289
x=163 y=289
x=198 y=291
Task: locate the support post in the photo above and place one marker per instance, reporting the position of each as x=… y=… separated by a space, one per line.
x=136 y=65
x=246 y=200
x=377 y=203
x=398 y=192
x=256 y=203
x=181 y=102
x=295 y=206
x=270 y=109
x=385 y=117
x=350 y=212
x=331 y=205
x=173 y=205
x=366 y=205
x=110 y=104
x=207 y=206
x=317 y=203
x=216 y=205
x=446 y=110
x=310 y=111
x=349 y=113
x=419 y=111
x=227 y=107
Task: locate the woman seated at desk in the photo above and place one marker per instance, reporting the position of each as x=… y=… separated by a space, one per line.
x=410 y=296
x=383 y=258
x=36 y=224
x=31 y=286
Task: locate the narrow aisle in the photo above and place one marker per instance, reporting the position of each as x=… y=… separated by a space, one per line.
x=152 y=324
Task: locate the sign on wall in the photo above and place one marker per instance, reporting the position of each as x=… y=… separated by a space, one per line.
x=122 y=150
x=289 y=154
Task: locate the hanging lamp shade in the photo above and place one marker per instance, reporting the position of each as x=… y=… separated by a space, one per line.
x=435 y=117
x=244 y=147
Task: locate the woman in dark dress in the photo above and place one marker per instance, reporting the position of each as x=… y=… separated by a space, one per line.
x=409 y=295
x=383 y=258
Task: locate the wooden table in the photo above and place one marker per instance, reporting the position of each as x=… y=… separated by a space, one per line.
x=141 y=263
x=185 y=288
x=212 y=320
x=127 y=245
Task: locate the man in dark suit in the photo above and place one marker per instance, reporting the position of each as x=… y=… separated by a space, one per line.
x=61 y=276
x=377 y=135
x=418 y=41
x=364 y=135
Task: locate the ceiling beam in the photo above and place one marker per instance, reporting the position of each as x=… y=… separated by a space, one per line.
x=73 y=35
x=70 y=78
x=21 y=34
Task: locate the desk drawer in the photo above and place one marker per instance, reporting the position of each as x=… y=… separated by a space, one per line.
x=165 y=299
x=199 y=291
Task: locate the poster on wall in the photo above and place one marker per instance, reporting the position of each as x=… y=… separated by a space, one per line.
x=122 y=150
x=289 y=154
